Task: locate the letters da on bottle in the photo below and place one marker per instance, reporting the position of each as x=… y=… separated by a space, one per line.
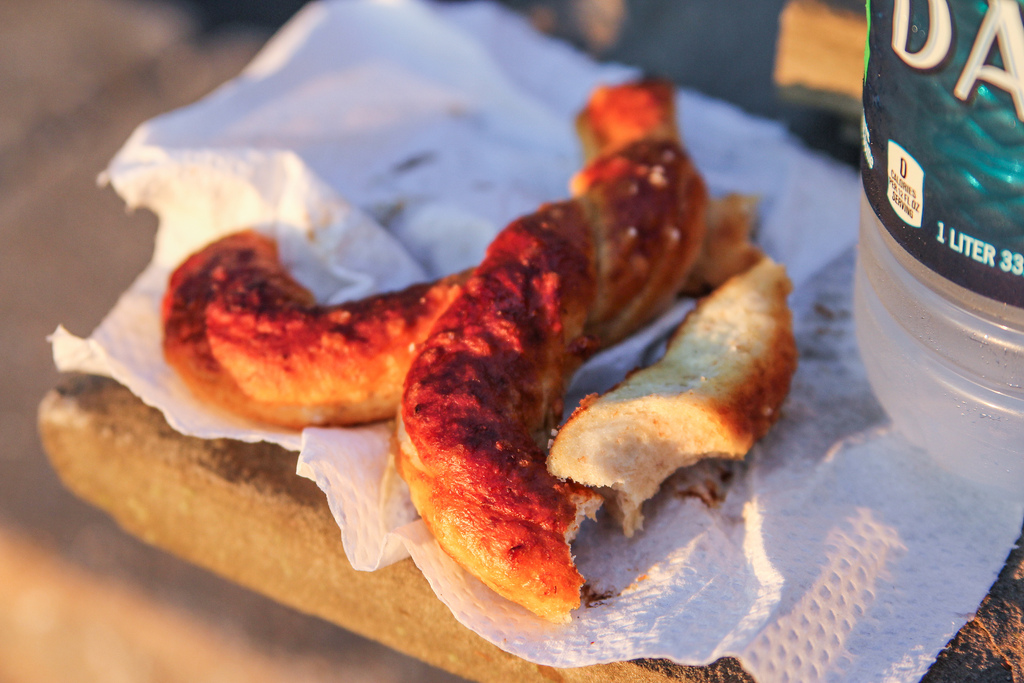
x=1002 y=28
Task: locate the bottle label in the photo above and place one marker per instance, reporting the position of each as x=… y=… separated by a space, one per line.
x=943 y=136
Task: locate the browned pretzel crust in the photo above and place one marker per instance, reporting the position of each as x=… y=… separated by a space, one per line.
x=244 y=336
x=490 y=376
x=489 y=381
x=247 y=337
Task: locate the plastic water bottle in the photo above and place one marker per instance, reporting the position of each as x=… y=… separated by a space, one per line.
x=939 y=290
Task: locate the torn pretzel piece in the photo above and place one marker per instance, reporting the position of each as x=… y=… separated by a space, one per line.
x=716 y=391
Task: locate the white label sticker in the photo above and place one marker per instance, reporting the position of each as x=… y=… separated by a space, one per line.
x=906 y=185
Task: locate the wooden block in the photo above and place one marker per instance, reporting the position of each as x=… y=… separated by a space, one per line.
x=819 y=56
x=240 y=511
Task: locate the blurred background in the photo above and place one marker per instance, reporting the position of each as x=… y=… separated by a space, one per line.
x=79 y=599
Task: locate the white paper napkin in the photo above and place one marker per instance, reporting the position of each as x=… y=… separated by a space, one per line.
x=384 y=141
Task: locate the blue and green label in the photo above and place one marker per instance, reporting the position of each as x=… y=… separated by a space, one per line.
x=943 y=163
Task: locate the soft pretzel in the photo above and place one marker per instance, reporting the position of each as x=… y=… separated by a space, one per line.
x=245 y=336
x=716 y=391
x=487 y=386
x=727 y=249
x=235 y=350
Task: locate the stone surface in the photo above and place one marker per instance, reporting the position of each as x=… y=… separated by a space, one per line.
x=240 y=511
x=990 y=647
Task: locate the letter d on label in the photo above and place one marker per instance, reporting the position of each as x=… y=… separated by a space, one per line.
x=940 y=34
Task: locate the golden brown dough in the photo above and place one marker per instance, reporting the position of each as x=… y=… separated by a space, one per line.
x=727 y=249
x=716 y=391
x=489 y=378
x=245 y=336
x=488 y=384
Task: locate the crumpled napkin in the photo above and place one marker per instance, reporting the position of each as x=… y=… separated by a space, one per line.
x=386 y=141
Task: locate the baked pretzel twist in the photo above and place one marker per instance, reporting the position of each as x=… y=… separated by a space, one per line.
x=485 y=356
x=245 y=336
x=488 y=382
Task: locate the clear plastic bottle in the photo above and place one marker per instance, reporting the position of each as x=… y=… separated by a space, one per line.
x=939 y=289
